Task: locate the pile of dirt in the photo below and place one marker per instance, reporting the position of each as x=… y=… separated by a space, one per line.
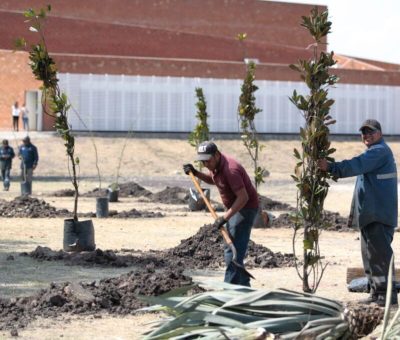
x=170 y=195
x=333 y=219
x=63 y=193
x=133 y=213
x=206 y=250
x=26 y=206
x=98 y=258
x=129 y=189
x=271 y=205
x=113 y=295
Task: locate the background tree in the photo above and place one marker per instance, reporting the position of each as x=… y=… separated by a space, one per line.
x=247 y=111
x=201 y=131
x=312 y=183
x=54 y=101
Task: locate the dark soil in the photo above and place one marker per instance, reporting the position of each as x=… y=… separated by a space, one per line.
x=271 y=205
x=113 y=295
x=335 y=221
x=63 y=193
x=171 y=195
x=129 y=189
x=201 y=251
x=26 y=206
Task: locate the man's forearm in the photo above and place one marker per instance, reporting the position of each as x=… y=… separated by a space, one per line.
x=204 y=177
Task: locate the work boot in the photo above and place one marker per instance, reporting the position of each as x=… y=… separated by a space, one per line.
x=381 y=300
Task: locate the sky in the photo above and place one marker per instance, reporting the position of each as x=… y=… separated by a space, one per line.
x=363 y=28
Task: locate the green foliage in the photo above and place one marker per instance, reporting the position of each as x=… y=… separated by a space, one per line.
x=54 y=102
x=201 y=131
x=312 y=183
x=247 y=111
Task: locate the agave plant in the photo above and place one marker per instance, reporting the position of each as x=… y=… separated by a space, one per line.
x=237 y=312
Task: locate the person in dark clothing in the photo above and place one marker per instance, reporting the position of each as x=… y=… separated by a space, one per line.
x=238 y=196
x=374 y=206
x=6 y=156
x=29 y=159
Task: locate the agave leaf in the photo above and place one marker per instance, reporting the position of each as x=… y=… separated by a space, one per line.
x=191 y=319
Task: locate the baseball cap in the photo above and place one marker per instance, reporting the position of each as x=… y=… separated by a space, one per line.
x=206 y=150
x=372 y=124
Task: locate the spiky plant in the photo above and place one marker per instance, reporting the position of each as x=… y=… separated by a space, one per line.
x=312 y=183
x=247 y=111
x=237 y=312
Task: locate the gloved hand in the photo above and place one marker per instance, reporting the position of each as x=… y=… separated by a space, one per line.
x=189 y=168
x=219 y=222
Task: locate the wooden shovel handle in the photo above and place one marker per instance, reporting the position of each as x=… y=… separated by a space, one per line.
x=224 y=232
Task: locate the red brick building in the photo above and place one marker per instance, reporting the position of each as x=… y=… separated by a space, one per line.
x=195 y=38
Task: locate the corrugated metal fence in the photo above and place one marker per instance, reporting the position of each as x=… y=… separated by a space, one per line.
x=167 y=104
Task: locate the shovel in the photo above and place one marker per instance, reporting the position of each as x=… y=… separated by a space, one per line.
x=223 y=230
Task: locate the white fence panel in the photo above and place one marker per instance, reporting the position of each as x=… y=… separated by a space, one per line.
x=167 y=104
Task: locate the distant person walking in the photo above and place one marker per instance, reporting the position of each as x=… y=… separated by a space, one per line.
x=6 y=156
x=25 y=117
x=29 y=159
x=15 y=115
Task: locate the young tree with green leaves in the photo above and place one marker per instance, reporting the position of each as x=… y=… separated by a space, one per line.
x=54 y=101
x=311 y=182
x=247 y=111
x=201 y=132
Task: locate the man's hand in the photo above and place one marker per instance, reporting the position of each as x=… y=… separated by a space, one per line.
x=189 y=168
x=34 y=166
x=322 y=164
x=219 y=222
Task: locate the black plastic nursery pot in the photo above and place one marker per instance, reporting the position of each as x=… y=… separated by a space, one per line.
x=196 y=202
x=78 y=235
x=112 y=195
x=101 y=207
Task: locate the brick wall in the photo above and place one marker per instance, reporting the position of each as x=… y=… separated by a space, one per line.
x=15 y=79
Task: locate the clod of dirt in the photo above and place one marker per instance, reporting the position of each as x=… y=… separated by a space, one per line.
x=114 y=295
x=26 y=206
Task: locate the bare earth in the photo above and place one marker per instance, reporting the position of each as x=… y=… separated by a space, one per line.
x=155 y=163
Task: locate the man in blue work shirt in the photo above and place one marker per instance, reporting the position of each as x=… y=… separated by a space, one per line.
x=29 y=159
x=6 y=156
x=374 y=206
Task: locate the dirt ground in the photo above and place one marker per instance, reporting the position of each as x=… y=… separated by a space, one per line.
x=154 y=163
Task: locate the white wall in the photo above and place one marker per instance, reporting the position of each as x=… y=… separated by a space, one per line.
x=167 y=104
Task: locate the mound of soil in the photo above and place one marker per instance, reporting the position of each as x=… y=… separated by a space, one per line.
x=97 y=258
x=271 y=205
x=336 y=222
x=206 y=249
x=113 y=295
x=26 y=206
x=130 y=189
x=171 y=195
x=63 y=193
x=133 y=213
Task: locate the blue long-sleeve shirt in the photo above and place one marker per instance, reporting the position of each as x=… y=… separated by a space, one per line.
x=29 y=155
x=375 y=193
x=6 y=156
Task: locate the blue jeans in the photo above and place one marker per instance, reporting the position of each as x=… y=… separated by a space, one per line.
x=5 y=175
x=239 y=227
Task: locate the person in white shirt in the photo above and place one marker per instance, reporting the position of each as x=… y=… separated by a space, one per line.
x=15 y=115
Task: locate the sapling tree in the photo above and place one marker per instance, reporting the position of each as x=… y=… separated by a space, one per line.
x=201 y=131
x=312 y=183
x=54 y=101
x=247 y=111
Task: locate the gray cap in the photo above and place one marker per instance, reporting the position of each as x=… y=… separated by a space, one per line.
x=206 y=150
x=372 y=124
